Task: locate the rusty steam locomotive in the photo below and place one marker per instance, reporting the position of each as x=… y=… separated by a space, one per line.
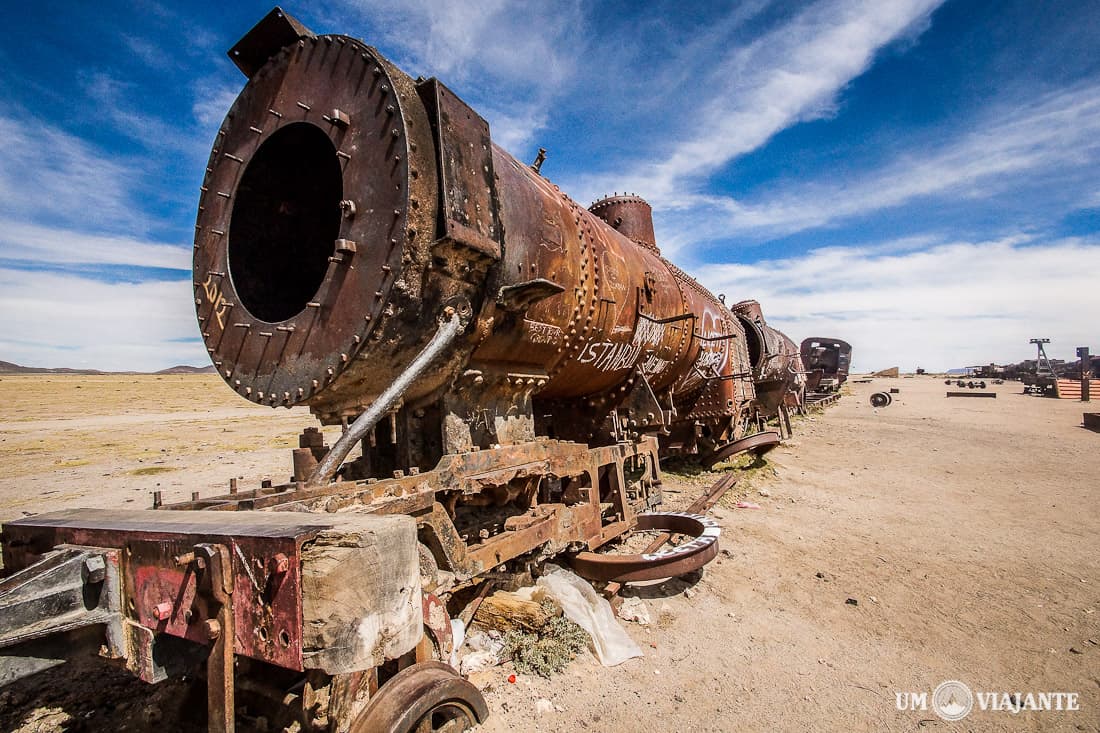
x=509 y=366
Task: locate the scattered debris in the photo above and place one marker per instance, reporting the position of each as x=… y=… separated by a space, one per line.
x=478 y=662
x=881 y=399
x=746 y=505
x=544 y=706
x=665 y=616
x=485 y=651
x=852 y=602
x=634 y=609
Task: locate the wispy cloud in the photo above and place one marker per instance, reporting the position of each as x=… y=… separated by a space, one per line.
x=1057 y=134
x=521 y=51
x=791 y=74
x=212 y=100
x=49 y=174
x=40 y=244
x=66 y=320
x=948 y=305
x=118 y=103
x=526 y=43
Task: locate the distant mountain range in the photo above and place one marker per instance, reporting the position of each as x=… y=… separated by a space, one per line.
x=6 y=367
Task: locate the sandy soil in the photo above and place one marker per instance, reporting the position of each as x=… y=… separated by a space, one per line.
x=110 y=441
x=966 y=531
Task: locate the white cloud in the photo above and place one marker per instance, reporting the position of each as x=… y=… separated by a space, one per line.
x=950 y=305
x=529 y=43
x=1058 y=134
x=66 y=320
x=48 y=173
x=212 y=102
x=519 y=53
x=790 y=74
x=32 y=243
x=118 y=103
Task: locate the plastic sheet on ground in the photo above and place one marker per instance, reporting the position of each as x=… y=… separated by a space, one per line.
x=586 y=608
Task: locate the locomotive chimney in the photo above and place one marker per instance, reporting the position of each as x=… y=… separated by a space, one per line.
x=632 y=216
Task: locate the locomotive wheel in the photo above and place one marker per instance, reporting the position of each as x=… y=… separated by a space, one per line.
x=429 y=696
x=881 y=399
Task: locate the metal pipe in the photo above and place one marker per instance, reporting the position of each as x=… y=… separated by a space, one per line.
x=444 y=336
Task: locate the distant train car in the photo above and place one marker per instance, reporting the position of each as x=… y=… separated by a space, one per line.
x=826 y=361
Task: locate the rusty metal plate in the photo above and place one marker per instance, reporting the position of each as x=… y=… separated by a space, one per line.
x=275 y=30
x=468 y=189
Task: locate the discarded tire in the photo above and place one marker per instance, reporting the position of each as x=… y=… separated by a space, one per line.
x=881 y=399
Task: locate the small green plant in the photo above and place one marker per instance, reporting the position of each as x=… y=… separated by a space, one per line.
x=547 y=652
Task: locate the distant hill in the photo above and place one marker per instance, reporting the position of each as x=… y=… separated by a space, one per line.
x=6 y=367
x=184 y=369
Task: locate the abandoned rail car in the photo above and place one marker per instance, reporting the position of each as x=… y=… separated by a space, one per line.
x=509 y=366
x=826 y=361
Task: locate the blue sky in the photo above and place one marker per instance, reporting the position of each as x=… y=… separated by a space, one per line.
x=921 y=179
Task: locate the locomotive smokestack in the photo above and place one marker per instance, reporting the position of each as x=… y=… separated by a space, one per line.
x=630 y=215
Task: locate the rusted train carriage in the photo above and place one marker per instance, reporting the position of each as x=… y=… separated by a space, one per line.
x=826 y=361
x=508 y=364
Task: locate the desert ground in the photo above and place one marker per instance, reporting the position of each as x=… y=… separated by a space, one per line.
x=893 y=548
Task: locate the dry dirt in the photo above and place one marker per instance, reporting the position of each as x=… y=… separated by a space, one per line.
x=966 y=531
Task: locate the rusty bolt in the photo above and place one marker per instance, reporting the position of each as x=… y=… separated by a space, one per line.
x=163 y=611
x=213 y=628
x=280 y=563
x=94 y=569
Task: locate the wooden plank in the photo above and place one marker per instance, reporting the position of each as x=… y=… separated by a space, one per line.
x=505 y=611
x=361 y=600
x=147 y=521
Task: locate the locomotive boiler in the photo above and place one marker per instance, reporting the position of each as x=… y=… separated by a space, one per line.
x=507 y=368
